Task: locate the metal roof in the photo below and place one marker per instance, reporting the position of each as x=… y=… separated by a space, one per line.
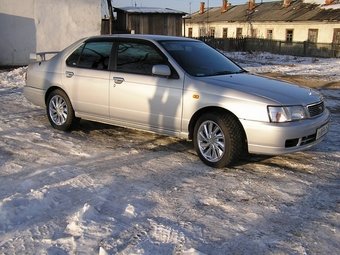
x=268 y=11
x=149 y=10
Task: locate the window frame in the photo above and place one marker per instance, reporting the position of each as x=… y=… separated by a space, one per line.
x=113 y=57
x=190 y=32
x=201 y=32
x=313 y=35
x=212 y=31
x=83 y=46
x=239 y=32
x=254 y=32
x=289 y=36
x=225 y=32
x=336 y=36
x=140 y=41
x=269 y=34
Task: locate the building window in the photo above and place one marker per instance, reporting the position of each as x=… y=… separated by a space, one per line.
x=190 y=32
x=289 y=35
x=336 y=36
x=254 y=33
x=313 y=35
x=201 y=32
x=212 y=32
x=225 y=32
x=238 y=32
x=270 y=34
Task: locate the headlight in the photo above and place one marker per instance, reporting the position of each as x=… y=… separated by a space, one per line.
x=288 y=113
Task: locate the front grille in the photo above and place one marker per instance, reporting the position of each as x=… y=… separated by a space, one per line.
x=316 y=109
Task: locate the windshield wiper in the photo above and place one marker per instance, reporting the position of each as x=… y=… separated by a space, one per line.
x=242 y=71
x=226 y=72
x=220 y=73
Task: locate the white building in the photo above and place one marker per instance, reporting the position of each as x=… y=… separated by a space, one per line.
x=282 y=20
x=44 y=25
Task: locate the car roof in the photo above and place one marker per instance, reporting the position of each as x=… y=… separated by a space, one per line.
x=143 y=36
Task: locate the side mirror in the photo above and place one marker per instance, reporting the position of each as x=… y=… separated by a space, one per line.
x=161 y=70
x=33 y=56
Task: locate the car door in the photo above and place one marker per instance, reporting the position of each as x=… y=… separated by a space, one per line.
x=139 y=99
x=86 y=78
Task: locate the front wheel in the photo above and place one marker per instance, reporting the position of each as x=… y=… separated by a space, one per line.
x=218 y=139
x=60 y=112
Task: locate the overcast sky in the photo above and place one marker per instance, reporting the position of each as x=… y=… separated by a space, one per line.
x=188 y=6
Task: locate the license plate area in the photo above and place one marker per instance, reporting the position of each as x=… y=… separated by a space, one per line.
x=320 y=132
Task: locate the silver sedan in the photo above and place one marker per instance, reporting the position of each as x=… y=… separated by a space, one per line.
x=179 y=87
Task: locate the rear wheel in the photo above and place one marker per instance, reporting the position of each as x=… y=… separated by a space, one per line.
x=218 y=139
x=60 y=112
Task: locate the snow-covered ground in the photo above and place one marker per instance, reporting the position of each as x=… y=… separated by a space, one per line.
x=110 y=190
x=261 y=62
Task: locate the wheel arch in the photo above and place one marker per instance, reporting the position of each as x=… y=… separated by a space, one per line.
x=61 y=113
x=49 y=91
x=215 y=109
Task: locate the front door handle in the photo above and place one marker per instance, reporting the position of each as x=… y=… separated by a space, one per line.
x=69 y=74
x=118 y=80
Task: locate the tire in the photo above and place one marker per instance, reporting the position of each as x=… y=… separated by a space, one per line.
x=218 y=139
x=60 y=112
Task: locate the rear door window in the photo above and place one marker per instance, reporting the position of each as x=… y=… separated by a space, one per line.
x=92 y=55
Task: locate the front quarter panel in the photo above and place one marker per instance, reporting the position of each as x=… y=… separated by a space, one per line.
x=198 y=95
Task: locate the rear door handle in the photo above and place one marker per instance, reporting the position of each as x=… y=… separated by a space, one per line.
x=69 y=74
x=118 y=80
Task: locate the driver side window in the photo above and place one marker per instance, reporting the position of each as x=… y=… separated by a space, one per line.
x=136 y=57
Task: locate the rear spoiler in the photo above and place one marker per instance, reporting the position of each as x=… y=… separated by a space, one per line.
x=41 y=56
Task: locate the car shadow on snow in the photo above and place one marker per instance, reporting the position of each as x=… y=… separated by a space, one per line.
x=141 y=140
x=132 y=138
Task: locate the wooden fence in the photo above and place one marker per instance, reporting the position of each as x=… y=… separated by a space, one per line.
x=305 y=49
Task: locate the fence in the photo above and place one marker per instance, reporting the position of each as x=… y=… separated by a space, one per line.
x=305 y=49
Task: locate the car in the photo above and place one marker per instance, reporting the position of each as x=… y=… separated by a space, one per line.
x=179 y=87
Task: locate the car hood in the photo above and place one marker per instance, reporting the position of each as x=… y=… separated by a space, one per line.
x=274 y=90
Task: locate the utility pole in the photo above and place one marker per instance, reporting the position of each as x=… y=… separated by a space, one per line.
x=208 y=32
x=110 y=16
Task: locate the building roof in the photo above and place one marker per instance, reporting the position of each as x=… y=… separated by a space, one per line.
x=148 y=10
x=268 y=11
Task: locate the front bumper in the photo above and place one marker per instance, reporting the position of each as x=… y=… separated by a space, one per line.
x=282 y=138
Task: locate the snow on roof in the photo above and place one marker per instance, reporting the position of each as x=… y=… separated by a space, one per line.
x=132 y=9
x=331 y=6
x=322 y=3
x=297 y=10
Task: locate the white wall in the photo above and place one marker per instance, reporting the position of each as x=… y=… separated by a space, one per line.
x=44 y=25
x=300 y=34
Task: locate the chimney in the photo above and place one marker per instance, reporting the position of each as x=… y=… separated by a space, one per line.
x=224 y=6
x=251 y=5
x=286 y=3
x=202 y=8
x=328 y=2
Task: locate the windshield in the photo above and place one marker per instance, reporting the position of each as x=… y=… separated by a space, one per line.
x=198 y=59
